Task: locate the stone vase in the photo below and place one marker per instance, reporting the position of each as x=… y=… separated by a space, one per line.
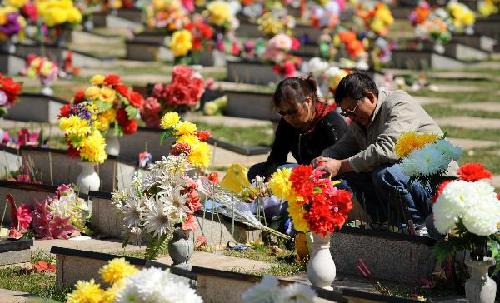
x=480 y=288
x=112 y=144
x=180 y=249
x=47 y=90
x=438 y=47
x=321 y=270
x=88 y=179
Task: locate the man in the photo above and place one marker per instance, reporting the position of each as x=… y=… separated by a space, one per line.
x=364 y=157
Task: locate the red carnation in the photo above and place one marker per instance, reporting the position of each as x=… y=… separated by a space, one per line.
x=196 y=43
x=150 y=112
x=136 y=99
x=72 y=152
x=112 y=79
x=213 y=177
x=79 y=97
x=181 y=72
x=473 y=172
x=178 y=94
x=64 y=110
x=203 y=135
x=440 y=189
x=121 y=117
x=122 y=90
x=129 y=127
x=498 y=196
x=301 y=181
x=206 y=30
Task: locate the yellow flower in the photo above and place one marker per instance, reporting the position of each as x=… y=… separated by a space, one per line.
x=74 y=126
x=297 y=213
x=109 y=295
x=190 y=140
x=410 y=141
x=185 y=128
x=15 y=3
x=219 y=13
x=200 y=155
x=116 y=270
x=93 y=92
x=182 y=43
x=235 y=179
x=97 y=80
x=86 y=292
x=105 y=119
x=280 y=184
x=169 y=120
x=93 y=148
x=108 y=94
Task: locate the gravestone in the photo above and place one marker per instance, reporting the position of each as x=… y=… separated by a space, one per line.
x=254 y=105
x=422 y=60
x=35 y=107
x=15 y=252
x=139 y=50
x=11 y=64
x=252 y=72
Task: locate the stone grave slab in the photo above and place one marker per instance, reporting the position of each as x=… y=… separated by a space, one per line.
x=492 y=107
x=14 y=252
x=83 y=59
x=469 y=122
x=130 y=14
x=471 y=143
x=50 y=51
x=389 y=256
x=226 y=121
x=422 y=60
x=35 y=107
x=303 y=30
x=155 y=36
x=253 y=105
x=488 y=26
x=106 y=221
x=252 y=72
x=212 y=58
x=10 y=161
x=248 y=29
x=147 y=51
x=485 y=43
x=144 y=139
x=465 y=52
x=104 y=19
x=11 y=64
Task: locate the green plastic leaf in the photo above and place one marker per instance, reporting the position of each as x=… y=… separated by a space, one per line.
x=132 y=112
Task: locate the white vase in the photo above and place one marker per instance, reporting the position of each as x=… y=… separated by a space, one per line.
x=480 y=288
x=321 y=270
x=439 y=47
x=47 y=90
x=88 y=179
x=112 y=144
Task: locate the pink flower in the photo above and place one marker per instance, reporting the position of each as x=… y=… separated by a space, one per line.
x=60 y=228
x=24 y=218
x=189 y=223
x=151 y=112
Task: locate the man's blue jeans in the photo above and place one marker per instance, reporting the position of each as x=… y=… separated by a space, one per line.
x=387 y=187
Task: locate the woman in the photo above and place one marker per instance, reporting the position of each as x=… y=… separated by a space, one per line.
x=307 y=126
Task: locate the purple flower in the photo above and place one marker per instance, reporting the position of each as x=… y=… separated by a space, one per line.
x=3 y=98
x=12 y=26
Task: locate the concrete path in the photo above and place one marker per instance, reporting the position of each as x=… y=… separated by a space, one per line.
x=492 y=107
x=431 y=100
x=469 y=122
x=92 y=245
x=12 y=296
x=471 y=144
x=453 y=88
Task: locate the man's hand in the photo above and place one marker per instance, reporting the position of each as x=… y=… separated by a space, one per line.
x=328 y=165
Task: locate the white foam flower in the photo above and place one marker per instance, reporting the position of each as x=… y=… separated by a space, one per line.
x=296 y=293
x=445 y=215
x=449 y=151
x=483 y=218
x=264 y=292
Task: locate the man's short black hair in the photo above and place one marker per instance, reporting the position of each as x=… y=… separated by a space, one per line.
x=355 y=86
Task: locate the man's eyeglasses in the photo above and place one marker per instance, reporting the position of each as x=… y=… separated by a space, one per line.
x=351 y=112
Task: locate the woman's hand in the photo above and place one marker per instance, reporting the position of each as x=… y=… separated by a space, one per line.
x=328 y=165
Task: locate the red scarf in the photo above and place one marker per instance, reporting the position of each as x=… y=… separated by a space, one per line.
x=321 y=109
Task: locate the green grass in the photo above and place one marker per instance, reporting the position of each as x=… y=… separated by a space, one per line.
x=475 y=134
x=488 y=158
x=241 y=136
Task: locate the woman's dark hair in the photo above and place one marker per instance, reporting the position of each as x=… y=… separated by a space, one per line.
x=295 y=89
x=355 y=86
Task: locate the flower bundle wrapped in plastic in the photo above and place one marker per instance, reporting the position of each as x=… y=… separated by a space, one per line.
x=62 y=216
x=57 y=12
x=277 y=50
x=314 y=203
x=189 y=141
x=117 y=107
x=462 y=17
x=43 y=68
x=9 y=89
x=125 y=283
x=182 y=94
x=12 y=23
x=159 y=200
x=276 y=22
x=269 y=291
x=81 y=128
x=166 y=14
x=427 y=156
x=467 y=211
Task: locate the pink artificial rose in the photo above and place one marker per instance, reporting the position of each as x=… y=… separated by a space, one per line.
x=178 y=95
x=24 y=218
x=151 y=112
x=181 y=72
x=198 y=85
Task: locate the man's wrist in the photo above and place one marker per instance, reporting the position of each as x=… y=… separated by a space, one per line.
x=345 y=166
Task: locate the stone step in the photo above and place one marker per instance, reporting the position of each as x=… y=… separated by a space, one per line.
x=107 y=246
x=492 y=107
x=12 y=296
x=469 y=122
x=468 y=144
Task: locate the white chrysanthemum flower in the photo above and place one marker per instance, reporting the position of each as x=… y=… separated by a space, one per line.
x=296 y=293
x=445 y=215
x=133 y=211
x=159 y=217
x=264 y=292
x=483 y=218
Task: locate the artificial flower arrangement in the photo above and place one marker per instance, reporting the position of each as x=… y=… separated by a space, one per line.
x=432 y=25
x=269 y=290
x=425 y=157
x=488 y=7
x=221 y=16
x=181 y=45
x=166 y=14
x=420 y=14
x=160 y=200
x=314 y=203
x=12 y=24
x=182 y=94
x=58 y=16
x=462 y=17
x=277 y=51
x=124 y=281
x=9 y=90
x=325 y=14
x=44 y=69
x=276 y=22
x=467 y=212
x=81 y=129
x=202 y=34
x=349 y=41
x=377 y=17
x=62 y=216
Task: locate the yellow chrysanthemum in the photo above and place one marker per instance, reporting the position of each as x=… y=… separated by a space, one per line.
x=55 y=12
x=74 y=126
x=105 y=119
x=280 y=184
x=190 y=140
x=185 y=128
x=86 y=292
x=182 y=43
x=116 y=270
x=409 y=141
x=169 y=120
x=93 y=92
x=15 y=3
x=296 y=212
x=97 y=80
x=200 y=155
x=219 y=13
x=108 y=94
x=109 y=295
x=93 y=148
